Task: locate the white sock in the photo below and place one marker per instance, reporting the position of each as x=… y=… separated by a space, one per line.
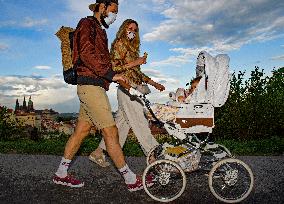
x=128 y=175
x=63 y=167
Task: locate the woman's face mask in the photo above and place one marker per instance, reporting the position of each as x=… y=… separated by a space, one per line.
x=110 y=18
x=131 y=35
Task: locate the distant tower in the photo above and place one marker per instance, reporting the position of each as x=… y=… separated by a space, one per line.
x=24 y=104
x=30 y=104
x=17 y=107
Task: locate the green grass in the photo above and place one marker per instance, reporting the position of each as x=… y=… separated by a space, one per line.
x=271 y=146
x=55 y=146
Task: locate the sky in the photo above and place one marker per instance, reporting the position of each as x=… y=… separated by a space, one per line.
x=172 y=32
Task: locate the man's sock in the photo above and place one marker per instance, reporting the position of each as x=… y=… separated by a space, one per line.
x=63 y=167
x=128 y=175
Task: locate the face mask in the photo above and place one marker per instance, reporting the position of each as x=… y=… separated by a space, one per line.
x=110 y=18
x=131 y=35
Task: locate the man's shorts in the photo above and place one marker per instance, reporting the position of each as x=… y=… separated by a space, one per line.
x=94 y=106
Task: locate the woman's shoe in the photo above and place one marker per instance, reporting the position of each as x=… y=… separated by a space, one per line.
x=100 y=160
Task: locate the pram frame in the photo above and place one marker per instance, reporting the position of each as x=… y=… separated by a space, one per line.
x=220 y=155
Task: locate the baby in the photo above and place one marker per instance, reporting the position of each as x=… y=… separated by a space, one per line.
x=183 y=95
x=168 y=112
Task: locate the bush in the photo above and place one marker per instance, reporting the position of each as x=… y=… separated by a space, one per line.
x=254 y=109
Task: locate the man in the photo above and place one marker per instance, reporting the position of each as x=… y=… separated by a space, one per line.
x=90 y=52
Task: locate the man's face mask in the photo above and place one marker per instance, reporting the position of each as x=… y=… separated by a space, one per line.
x=131 y=35
x=110 y=18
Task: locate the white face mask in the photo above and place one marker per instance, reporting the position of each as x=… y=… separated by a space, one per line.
x=110 y=18
x=131 y=35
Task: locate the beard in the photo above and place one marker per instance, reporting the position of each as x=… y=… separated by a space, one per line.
x=103 y=22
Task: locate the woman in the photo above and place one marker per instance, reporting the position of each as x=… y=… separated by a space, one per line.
x=126 y=60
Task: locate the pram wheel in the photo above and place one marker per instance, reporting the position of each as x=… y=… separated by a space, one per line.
x=231 y=180
x=169 y=180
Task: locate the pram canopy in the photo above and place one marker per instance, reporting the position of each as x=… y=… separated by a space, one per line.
x=214 y=85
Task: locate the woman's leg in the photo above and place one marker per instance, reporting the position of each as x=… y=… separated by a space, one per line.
x=134 y=113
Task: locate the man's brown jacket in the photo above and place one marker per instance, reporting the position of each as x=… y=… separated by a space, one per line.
x=90 y=52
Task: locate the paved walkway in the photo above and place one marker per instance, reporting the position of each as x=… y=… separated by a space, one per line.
x=27 y=179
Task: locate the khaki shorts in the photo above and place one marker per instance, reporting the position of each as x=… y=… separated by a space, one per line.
x=94 y=106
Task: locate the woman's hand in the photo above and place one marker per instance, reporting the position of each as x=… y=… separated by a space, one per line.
x=158 y=86
x=140 y=61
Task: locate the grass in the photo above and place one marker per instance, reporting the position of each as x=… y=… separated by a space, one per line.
x=55 y=146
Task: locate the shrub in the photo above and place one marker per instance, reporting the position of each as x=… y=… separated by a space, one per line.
x=255 y=107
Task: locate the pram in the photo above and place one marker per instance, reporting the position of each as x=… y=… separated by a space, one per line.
x=230 y=179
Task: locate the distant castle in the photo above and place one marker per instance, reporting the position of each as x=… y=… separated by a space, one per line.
x=28 y=116
x=24 y=108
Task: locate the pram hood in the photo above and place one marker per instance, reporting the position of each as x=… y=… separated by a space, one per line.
x=214 y=85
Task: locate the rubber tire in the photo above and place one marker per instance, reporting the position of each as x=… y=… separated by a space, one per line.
x=230 y=160
x=168 y=162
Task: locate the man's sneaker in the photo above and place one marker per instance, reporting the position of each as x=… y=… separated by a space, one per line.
x=136 y=186
x=68 y=181
x=150 y=180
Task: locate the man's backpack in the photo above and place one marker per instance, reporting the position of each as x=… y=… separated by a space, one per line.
x=65 y=35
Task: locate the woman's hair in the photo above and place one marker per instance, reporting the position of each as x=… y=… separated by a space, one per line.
x=133 y=45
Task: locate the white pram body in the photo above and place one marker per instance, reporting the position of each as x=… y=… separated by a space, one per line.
x=197 y=114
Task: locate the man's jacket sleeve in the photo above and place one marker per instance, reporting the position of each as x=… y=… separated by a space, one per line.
x=88 y=55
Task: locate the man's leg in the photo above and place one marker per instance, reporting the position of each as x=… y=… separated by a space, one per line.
x=123 y=129
x=94 y=101
x=73 y=144
x=82 y=130
x=113 y=147
x=110 y=135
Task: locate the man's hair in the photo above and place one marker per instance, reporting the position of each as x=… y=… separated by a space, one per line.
x=106 y=2
x=133 y=45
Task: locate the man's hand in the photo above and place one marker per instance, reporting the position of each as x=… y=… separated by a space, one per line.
x=122 y=80
x=119 y=77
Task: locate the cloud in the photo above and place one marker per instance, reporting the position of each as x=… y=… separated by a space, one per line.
x=3 y=47
x=219 y=24
x=159 y=77
x=46 y=92
x=29 y=22
x=42 y=67
x=280 y=57
x=26 y=22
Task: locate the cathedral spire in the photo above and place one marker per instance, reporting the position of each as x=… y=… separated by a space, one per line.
x=17 y=107
x=24 y=103
x=30 y=104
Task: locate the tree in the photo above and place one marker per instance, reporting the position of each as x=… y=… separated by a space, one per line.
x=8 y=127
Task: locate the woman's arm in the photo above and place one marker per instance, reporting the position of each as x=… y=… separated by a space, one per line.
x=158 y=86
